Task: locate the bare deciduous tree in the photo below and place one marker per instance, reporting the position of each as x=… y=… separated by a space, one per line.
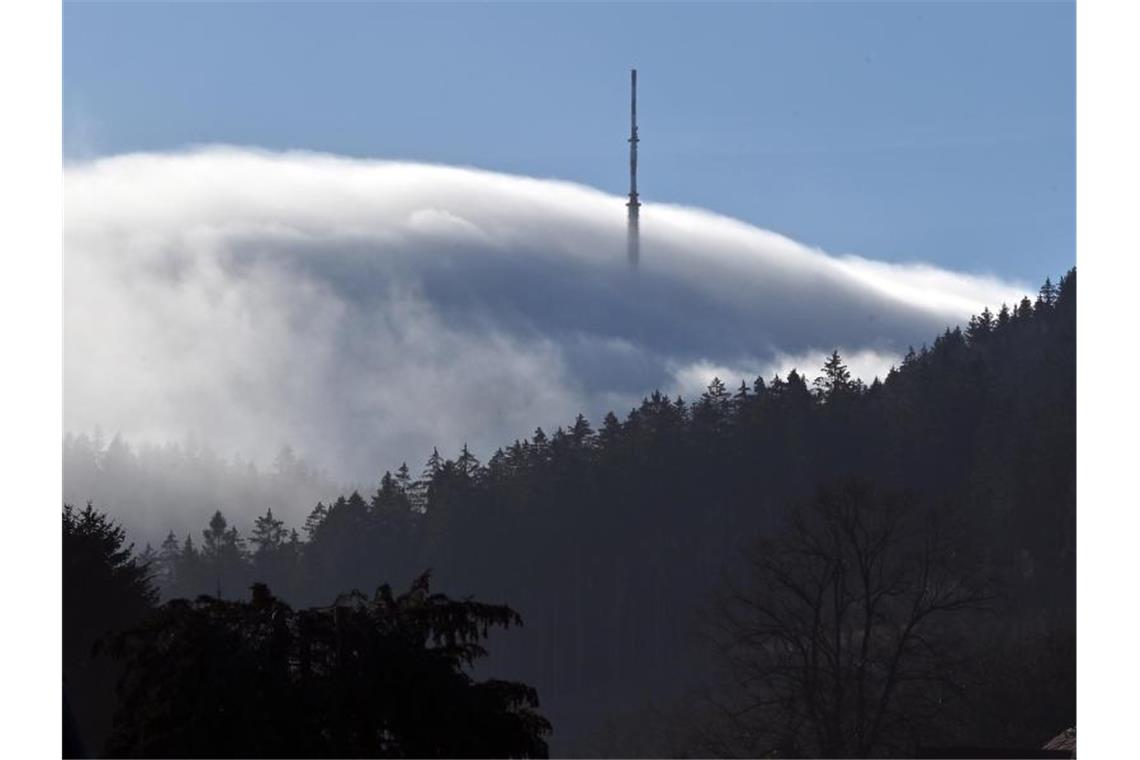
x=840 y=643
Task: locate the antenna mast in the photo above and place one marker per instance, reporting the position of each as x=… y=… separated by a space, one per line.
x=634 y=205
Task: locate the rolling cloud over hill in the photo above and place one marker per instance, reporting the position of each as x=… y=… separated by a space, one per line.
x=367 y=310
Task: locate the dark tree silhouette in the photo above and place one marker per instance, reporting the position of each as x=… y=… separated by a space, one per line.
x=223 y=555
x=380 y=677
x=105 y=590
x=835 y=383
x=836 y=645
x=610 y=541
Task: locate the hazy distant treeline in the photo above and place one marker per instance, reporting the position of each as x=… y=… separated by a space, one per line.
x=177 y=486
x=612 y=542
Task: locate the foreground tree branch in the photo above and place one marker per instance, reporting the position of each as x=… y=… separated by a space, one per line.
x=365 y=677
x=840 y=643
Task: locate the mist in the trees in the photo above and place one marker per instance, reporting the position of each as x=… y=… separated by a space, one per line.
x=364 y=311
x=913 y=538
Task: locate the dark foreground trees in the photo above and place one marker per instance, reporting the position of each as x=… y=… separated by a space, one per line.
x=379 y=677
x=106 y=589
x=841 y=641
x=608 y=541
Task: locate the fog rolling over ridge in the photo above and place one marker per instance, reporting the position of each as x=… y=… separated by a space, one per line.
x=365 y=311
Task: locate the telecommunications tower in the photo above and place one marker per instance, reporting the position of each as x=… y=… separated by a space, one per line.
x=634 y=205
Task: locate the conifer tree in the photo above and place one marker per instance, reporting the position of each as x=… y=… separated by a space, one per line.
x=467 y=464
x=403 y=477
x=716 y=394
x=169 y=553
x=268 y=533
x=835 y=382
x=315 y=520
x=189 y=575
x=433 y=466
x=106 y=589
x=223 y=556
x=581 y=433
x=980 y=326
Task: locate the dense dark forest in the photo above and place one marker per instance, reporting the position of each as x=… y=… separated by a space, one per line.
x=796 y=567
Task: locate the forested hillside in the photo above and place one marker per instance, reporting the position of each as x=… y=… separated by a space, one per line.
x=612 y=540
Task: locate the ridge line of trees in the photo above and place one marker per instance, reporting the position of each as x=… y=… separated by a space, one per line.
x=606 y=540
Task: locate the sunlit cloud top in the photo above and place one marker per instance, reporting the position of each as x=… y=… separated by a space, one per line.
x=367 y=310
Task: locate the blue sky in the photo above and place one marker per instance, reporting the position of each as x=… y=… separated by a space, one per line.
x=932 y=132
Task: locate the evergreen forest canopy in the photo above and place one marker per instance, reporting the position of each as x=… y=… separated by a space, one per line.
x=636 y=551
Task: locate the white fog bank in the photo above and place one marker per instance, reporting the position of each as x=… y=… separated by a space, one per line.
x=365 y=311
